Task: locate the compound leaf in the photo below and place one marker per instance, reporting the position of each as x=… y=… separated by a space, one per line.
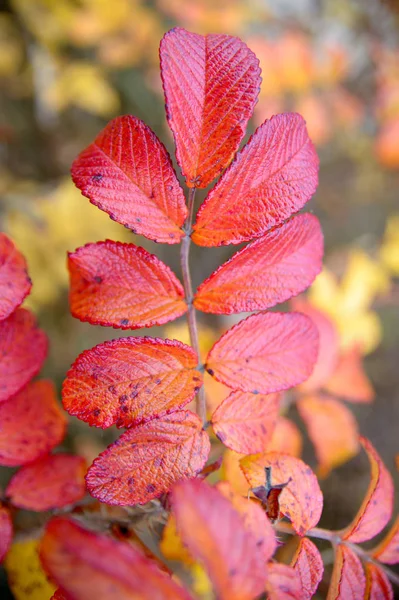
x=123 y=286
x=308 y=563
x=347 y=581
x=211 y=85
x=15 y=283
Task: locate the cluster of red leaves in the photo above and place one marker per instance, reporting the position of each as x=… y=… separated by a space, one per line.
x=31 y=420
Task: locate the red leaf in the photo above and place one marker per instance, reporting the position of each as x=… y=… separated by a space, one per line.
x=146 y=460
x=272 y=177
x=128 y=173
x=378 y=586
x=282 y=583
x=328 y=345
x=6 y=531
x=215 y=534
x=89 y=565
x=349 y=379
x=270 y=270
x=332 y=429
x=32 y=424
x=211 y=85
x=245 y=422
x=301 y=500
x=387 y=550
x=265 y=353
x=60 y=595
x=23 y=348
x=308 y=563
x=15 y=283
x=123 y=285
x=51 y=482
x=130 y=380
x=347 y=580
x=377 y=506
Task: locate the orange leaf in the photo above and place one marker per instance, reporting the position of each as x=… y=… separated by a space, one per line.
x=32 y=424
x=328 y=345
x=146 y=460
x=23 y=348
x=301 y=500
x=211 y=84
x=349 y=380
x=286 y=438
x=271 y=270
x=215 y=534
x=265 y=353
x=377 y=506
x=245 y=422
x=282 y=583
x=6 y=531
x=89 y=565
x=51 y=482
x=122 y=285
x=15 y=283
x=130 y=380
x=378 y=586
x=308 y=563
x=347 y=580
x=128 y=173
x=387 y=550
x=272 y=177
x=332 y=429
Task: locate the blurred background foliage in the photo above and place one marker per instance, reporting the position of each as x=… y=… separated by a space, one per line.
x=68 y=66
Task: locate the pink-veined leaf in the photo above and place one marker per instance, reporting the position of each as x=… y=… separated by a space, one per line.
x=301 y=500
x=211 y=85
x=347 y=581
x=130 y=380
x=378 y=586
x=308 y=563
x=31 y=424
x=147 y=459
x=54 y=481
x=271 y=178
x=15 y=283
x=377 y=506
x=215 y=533
x=282 y=583
x=245 y=422
x=123 y=286
x=271 y=270
x=387 y=550
x=23 y=348
x=349 y=380
x=91 y=565
x=6 y=531
x=265 y=353
x=128 y=173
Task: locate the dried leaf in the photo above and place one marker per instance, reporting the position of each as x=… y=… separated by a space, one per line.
x=272 y=177
x=129 y=380
x=90 y=565
x=146 y=460
x=308 y=563
x=51 y=482
x=265 y=353
x=15 y=283
x=282 y=583
x=301 y=500
x=6 y=531
x=347 y=581
x=26 y=577
x=377 y=506
x=332 y=429
x=349 y=380
x=128 y=173
x=211 y=85
x=378 y=586
x=245 y=422
x=387 y=550
x=23 y=348
x=271 y=270
x=123 y=286
x=215 y=534
x=31 y=424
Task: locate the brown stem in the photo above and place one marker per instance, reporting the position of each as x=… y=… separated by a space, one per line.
x=334 y=538
x=188 y=288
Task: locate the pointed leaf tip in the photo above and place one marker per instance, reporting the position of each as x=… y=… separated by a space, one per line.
x=15 y=283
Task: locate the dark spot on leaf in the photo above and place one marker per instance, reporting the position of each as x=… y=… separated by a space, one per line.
x=172 y=235
x=124 y=322
x=123 y=398
x=196 y=378
x=97 y=177
x=197 y=388
x=150 y=488
x=221 y=437
x=124 y=409
x=157 y=381
x=98 y=279
x=211 y=372
x=96 y=412
x=112 y=389
x=138 y=220
x=259 y=543
x=158 y=462
x=131 y=481
x=255 y=392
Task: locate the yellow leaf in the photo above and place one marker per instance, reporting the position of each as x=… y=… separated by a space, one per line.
x=25 y=574
x=389 y=251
